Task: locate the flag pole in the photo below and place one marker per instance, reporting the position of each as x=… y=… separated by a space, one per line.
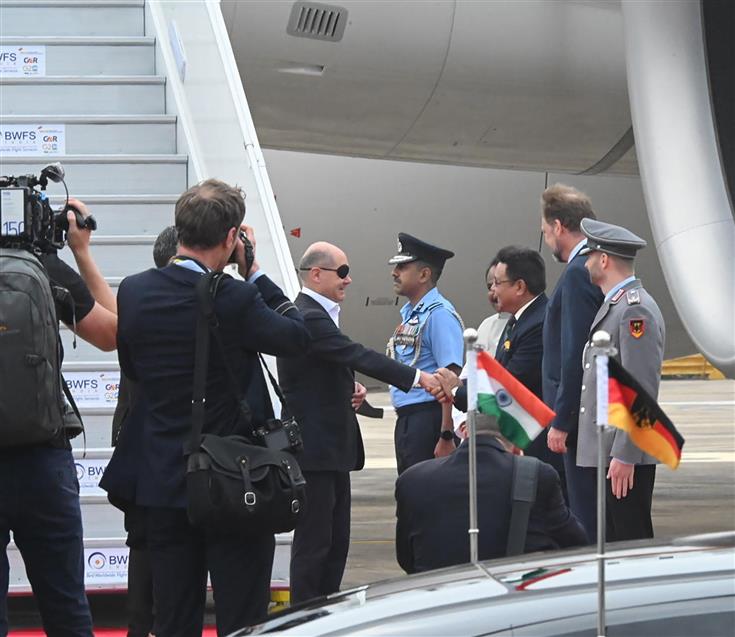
x=602 y=350
x=470 y=338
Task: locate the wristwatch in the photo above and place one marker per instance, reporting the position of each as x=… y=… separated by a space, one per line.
x=447 y=434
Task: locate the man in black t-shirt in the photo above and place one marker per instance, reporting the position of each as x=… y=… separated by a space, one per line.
x=39 y=491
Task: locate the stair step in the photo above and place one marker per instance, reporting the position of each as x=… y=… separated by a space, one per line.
x=89 y=134
x=98 y=429
x=105 y=566
x=144 y=214
x=92 y=55
x=69 y=17
x=80 y=95
x=107 y=174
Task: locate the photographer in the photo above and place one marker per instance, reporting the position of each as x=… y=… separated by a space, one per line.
x=39 y=491
x=156 y=340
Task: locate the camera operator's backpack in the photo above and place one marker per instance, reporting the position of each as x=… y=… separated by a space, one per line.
x=32 y=409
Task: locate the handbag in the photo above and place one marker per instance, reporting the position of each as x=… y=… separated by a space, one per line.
x=233 y=485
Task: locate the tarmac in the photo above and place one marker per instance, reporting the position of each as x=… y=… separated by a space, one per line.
x=699 y=497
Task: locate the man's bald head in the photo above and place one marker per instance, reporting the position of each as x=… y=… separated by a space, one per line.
x=317 y=270
x=320 y=254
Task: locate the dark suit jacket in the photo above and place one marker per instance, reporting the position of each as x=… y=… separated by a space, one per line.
x=523 y=359
x=156 y=326
x=433 y=509
x=318 y=388
x=569 y=314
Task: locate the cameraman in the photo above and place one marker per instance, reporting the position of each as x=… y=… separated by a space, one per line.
x=39 y=491
x=156 y=341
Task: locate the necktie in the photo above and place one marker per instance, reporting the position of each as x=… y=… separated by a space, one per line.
x=504 y=343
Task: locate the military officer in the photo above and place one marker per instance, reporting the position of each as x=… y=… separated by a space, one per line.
x=428 y=337
x=633 y=320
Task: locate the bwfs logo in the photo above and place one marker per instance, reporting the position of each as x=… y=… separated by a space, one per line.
x=97 y=561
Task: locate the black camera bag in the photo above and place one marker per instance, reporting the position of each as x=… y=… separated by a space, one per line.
x=233 y=485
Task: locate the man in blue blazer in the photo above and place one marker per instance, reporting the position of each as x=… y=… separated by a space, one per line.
x=322 y=394
x=569 y=315
x=156 y=326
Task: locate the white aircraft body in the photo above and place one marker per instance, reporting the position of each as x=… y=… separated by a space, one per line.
x=447 y=119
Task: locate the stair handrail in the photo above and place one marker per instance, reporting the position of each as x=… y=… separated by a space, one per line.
x=169 y=21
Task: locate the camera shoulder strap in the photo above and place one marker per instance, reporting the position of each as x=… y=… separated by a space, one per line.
x=201 y=364
x=206 y=293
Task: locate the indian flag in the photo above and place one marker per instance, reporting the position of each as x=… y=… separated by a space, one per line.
x=520 y=414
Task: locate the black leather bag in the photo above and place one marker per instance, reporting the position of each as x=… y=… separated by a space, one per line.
x=233 y=485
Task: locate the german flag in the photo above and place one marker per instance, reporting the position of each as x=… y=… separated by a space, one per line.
x=633 y=410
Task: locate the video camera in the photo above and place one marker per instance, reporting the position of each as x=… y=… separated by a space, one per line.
x=26 y=217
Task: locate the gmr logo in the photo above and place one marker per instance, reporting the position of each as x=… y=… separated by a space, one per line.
x=97 y=561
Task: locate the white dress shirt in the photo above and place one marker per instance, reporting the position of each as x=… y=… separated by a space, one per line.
x=331 y=307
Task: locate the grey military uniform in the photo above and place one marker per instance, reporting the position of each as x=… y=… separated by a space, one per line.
x=636 y=326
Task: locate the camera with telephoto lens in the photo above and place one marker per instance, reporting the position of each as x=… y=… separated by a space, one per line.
x=281 y=435
x=26 y=217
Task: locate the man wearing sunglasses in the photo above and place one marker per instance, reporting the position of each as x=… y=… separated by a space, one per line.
x=322 y=394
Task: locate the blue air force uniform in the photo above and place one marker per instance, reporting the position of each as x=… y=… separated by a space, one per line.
x=429 y=336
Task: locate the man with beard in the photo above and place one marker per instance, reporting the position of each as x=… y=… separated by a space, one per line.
x=569 y=313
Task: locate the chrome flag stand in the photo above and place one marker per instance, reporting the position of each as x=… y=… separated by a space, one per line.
x=470 y=338
x=602 y=350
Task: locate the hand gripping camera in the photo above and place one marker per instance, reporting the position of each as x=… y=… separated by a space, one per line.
x=26 y=217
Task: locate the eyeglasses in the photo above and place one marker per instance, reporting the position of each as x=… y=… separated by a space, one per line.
x=342 y=271
x=496 y=283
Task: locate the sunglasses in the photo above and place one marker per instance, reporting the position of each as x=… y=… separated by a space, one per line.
x=342 y=271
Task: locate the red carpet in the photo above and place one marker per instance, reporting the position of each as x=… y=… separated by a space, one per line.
x=102 y=632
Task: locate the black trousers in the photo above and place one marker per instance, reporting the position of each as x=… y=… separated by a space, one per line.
x=581 y=483
x=181 y=556
x=630 y=517
x=140 y=579
x=417 y=432
x=322 y=538
x=140 y=594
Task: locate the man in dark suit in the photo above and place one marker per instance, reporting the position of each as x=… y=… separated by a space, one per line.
x=569 y=314
x=433 y=507
x=518 y=284
x=140 y=581
x=322 y=394
x=157 y=322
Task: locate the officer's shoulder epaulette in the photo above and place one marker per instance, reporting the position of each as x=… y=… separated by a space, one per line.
x=433 y=305
x=633 y=297
x=617 y=296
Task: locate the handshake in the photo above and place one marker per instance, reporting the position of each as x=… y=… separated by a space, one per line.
x=440 y=384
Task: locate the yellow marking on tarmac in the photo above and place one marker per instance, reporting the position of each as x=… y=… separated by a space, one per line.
x=708 y=456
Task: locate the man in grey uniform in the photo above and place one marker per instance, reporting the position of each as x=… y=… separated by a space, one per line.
x=632 y=318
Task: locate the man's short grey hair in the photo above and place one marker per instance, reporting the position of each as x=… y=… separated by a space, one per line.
x=314 y=259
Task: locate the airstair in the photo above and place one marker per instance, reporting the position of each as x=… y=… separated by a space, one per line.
x=138 y=101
